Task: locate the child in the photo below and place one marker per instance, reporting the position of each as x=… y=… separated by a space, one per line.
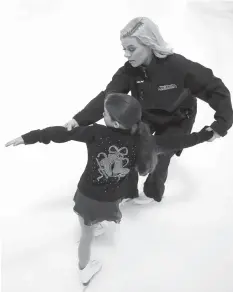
x=115 y=152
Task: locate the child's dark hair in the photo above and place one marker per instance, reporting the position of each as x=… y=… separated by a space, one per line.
x=127 y=111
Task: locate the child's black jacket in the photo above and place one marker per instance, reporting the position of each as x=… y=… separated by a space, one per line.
x=112 y=155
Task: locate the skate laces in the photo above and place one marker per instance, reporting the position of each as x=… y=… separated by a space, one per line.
x=93 y=263
x=98 y=226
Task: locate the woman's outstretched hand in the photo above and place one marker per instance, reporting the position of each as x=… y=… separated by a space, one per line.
x=71 y=124
x=15 y=142
x=215 y=136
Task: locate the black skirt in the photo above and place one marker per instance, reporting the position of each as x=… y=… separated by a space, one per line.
x=93 y=211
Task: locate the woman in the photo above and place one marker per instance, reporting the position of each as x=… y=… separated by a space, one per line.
x=166 y=85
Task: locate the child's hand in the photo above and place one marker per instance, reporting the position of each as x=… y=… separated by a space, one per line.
x=215 y=136
x=15 y=142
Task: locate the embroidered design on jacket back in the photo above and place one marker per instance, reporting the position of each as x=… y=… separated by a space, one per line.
x=113 y=164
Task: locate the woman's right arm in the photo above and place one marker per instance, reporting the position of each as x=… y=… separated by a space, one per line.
x=93 y=111
x=175 y=142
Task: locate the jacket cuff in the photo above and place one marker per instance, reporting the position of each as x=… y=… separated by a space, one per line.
x=205 y=135
x=218 y=129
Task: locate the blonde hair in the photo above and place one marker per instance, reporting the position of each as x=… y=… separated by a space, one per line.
x=147 y=32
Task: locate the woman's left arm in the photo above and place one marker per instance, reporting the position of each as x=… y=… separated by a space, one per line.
x=203 y=84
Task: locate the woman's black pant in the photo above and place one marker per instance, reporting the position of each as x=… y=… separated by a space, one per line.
x=154 y=185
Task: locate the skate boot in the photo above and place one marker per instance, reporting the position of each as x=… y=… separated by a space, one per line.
x=124 y=201
x=100 y=228
x=91 y=269
x=143 y=200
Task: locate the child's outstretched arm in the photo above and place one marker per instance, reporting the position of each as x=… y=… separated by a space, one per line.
x=175 y=142
x=55 y=134
x=15 y=142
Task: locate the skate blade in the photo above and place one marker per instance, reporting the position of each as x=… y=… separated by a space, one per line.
x=86 y=285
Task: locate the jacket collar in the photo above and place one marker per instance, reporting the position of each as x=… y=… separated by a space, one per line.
x=150 y=70
x=119 y=130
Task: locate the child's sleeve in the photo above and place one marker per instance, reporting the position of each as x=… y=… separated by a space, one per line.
x=175 y=142
x=60 y=134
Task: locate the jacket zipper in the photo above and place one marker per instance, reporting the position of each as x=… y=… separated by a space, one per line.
x=141 y=94
x=187 y=114
x=146 y=77
x=144 y=70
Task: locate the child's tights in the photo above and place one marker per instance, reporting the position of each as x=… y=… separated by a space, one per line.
x=84 y=249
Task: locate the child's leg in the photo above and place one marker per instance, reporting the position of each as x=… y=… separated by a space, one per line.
x=84 y=249
x=88 y=268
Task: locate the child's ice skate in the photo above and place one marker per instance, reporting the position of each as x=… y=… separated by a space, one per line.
x=91 y=269
x=124 y=201
x=99 y=228
x=143 y=200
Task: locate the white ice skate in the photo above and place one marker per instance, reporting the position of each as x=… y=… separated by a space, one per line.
x=124 y=201
x=100 y=228
x=92 y=268
x=143 y=200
